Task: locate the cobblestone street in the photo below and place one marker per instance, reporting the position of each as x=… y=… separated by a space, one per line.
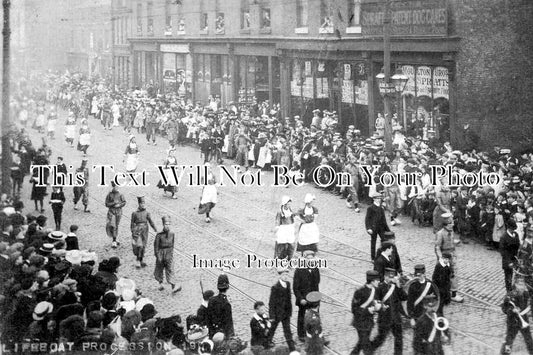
x=242 y=223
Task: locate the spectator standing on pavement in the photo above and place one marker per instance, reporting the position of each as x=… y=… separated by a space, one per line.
x=219 y=313
x=164 y=256
x=139 y=231
x=280 y=307
x=260 y=328
x=305 y=280
x=285 y=230
x=364 y=306
x=444 y=243
x=57 y=200
x=391 y=295
x=375 y=222
x=509 y=245
x=114 y=201
x=516 y=306
x=72 y=239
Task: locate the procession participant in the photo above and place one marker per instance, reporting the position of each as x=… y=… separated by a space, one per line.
x=70 y=129
x=442 y=279
x=509 y=245
x=516 y=306
x=241 y=142
x=139 y=231
x=150 y=123
x=219 y=313
x=218 y=142
x=284 y=248
x=427 y=340
x=305 y=280
x=383 y=260
x=114 y=201
x=171 y=186
x=280 y=307
x=364 y=306
x=39 y=192
x=390 y=237
x=208 y=199
x=40 y=119
x=131 y=155
x=314 y=337
x=164 y=256
x=84 y=138
x=260 y=328
x=443 y=197
x=444 y=243
x=308 y=233
x=82 y=192
x=375 y=222
x=57 y=200
x=52 y=120
x=420 y=288
x=390 y=295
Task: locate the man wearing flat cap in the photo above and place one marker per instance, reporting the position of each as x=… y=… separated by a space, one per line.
x=114 y=201
x=164 y=256
x=139 y=231
x=444 y=243
x=219 y=312
x=391 y=296
x=305 y=280
x=419 y=289
x=375 y=222
x=280 y=307
x=364 y=306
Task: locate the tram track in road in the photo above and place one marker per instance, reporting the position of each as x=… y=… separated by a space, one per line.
x=203 y=230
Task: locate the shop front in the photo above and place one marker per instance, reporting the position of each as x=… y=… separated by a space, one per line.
x=177 y=70
x=147 y=64
x=212 y=73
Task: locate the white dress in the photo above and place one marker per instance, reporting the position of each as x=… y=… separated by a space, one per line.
x=209 y=194
x=309 y=232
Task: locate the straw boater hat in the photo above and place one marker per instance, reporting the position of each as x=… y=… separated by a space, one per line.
x=42 y=309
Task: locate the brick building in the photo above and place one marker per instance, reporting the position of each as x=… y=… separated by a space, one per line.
x=467 y=61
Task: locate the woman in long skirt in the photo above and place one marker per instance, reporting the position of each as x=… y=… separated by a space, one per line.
x=70 y=128
x=209 y=199
x=171 y=185
x=285 y=230
x=85 y=137
x=308 y=234
x=131 y=155
x=41 y=119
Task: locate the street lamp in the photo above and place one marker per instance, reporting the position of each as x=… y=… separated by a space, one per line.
x=388 y=89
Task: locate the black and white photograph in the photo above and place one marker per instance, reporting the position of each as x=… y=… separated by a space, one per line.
x=266 y=177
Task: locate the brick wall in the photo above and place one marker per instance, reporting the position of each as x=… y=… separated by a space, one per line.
x=495 y=70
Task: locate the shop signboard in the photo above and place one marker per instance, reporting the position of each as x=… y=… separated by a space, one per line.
x=409 y=71
x=440 y=82
x=361 y=97
x=423 y=81
x=408 y=18
x=347 y=91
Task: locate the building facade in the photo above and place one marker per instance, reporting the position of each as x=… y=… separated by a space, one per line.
x=307 y=54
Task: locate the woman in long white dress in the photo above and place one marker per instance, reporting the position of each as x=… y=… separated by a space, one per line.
x=284 y=230
x=70 y=128
x=84 y=137
x=308 y=234
x=209 y=198
x=131 y=155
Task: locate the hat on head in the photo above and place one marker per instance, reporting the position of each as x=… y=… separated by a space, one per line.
x=165 y=219
x=69 y=282
x=141 y=302
x=376 y=195
x=285 y=200
x=140 y=199
x=309 y=198
x=388 y=236
x=62 y=266
x=57 y=236
x=46 y=248
x=446 y=215
x=127 y=294
x=42 y=309
x=386 y=243
x=430 y=300
x=223 y=282
x=420 y=269
x=307 y=253
x=446 y=255
x=372 y=275
x=124 y=284
x=390 y=271
x=313 y=297
x=282 y=270
x=87 y=256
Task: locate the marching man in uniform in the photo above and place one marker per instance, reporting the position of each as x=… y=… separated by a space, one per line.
x=516 y=306
x=314 y=337
x=164 y=256
x=139 y=231
x=444 y=243
x=364 y=306
x=427 y=339
x=418 y=290
x=82 y=192
x=114 y=201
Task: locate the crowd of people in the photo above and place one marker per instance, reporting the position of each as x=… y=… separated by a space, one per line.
x=55 y=294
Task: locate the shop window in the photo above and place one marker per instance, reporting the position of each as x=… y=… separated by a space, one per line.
x=354 y=16
x=204 y=24
x=302 y=10
x=139 y=19
x=219 y=24
x=326 y=18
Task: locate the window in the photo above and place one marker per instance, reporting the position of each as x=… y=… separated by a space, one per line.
x=150 y=19
x=181 y=26
x=217 y=68
x=326 y=18
x=245 y=14
x=302 y=9
x=219 y=24
x=265 y=18
x=139 y=19
x=204 y=24
x=354 y=13
x=168 y=26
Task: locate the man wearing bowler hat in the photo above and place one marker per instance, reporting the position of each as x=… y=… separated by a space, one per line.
x=219 y=313
x=364 y=306
x=444 y=243
x=164 y=256
x=375 y=222
x=139 y=231
x=114 y=201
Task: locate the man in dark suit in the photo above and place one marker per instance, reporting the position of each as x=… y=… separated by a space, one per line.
x=363 y=309
x=260 y=327
x=375 y=222
x=280 y=307
x=305 y=280
x=383 y=260
x=509 y=245
x=219 y=313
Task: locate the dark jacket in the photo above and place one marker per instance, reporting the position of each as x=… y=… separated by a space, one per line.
x=375 y=219
x=422 y=331
x=279 y=305
x=381 y=263
x=362 y=318
x=201 y=316
x=260 y=329
x=305 y=281
x=442 y=279
x=509 y=246
x=415 y=291
x=392 y=313
x=219 y=316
